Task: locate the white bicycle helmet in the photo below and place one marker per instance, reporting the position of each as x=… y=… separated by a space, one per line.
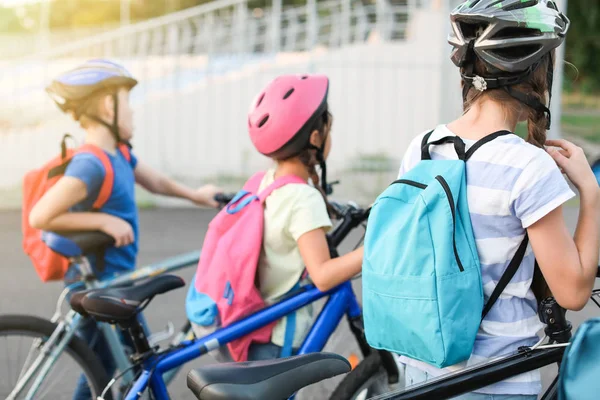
x=511 y=37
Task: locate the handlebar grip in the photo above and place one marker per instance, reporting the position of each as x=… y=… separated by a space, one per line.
x=224 y=198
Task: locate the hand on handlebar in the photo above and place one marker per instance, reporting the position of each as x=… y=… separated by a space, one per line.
x=205 y=196
x=223 y=199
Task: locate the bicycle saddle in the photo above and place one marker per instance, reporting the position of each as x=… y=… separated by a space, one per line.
x=271 y=379
x=76 y=299
x=77 y=244
x=121 y=304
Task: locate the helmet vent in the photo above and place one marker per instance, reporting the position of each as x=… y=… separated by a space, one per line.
x=520 y=4
x=471 y=31
x=516 y=33
x=552 y=5
x=304 y=77
x=263 y=121
x=474 y=3
x=288 y=94
x=517 y=52
x=495 y=4
x=260 y=99
x=249 y=123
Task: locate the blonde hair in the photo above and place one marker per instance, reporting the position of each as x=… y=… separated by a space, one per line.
x=92 y=106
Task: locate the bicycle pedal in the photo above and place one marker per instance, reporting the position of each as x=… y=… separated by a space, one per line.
x=157 y=337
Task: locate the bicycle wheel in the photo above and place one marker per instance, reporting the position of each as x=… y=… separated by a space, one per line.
x=368 y=379
x=21 y=339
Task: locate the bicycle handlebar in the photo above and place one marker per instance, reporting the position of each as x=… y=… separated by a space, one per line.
x=224 y=198
x=351 y=216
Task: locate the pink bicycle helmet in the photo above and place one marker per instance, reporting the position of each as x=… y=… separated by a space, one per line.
x=281 y=117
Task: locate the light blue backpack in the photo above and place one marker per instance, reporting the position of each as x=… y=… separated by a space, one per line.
x=422 y=291
x=580 y=368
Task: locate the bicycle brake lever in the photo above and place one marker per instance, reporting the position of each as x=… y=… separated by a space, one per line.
x=157 y=337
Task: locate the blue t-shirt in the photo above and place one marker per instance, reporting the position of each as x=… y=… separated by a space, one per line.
x=121 y=203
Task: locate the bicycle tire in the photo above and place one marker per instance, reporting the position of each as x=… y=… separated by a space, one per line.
x=35 y=327
x=356 y=381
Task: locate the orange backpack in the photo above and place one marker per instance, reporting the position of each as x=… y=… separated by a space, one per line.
x=48 y=264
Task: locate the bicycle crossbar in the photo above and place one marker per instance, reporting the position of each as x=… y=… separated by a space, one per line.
x=479 y=376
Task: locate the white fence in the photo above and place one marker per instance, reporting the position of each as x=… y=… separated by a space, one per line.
x=388 y=65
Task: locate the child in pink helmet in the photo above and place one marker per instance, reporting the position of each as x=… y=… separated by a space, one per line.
x=289 y=122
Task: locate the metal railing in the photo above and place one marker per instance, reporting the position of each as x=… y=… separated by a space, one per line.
x=199 y=69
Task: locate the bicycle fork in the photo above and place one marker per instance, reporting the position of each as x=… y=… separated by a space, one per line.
x=50 y=351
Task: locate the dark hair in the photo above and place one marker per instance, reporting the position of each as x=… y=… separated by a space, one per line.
x=308 y=156
x=536 y=85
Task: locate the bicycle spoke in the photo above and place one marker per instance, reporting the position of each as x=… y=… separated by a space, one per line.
x=26 y=363
x=9 y=374
x=53 y=381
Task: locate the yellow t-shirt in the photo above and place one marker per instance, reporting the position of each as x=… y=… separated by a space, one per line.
x=290 y=212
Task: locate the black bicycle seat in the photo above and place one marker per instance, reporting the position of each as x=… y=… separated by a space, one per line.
x=121 y=304
x=271 y=379
x=76 y=300
x=77 y=244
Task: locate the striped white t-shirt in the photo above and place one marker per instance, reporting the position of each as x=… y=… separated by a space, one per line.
x=511 y=184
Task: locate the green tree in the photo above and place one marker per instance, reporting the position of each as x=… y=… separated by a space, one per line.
x=9 y=21
x=583 y=44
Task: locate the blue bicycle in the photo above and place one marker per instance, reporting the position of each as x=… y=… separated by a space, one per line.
x=121 y=306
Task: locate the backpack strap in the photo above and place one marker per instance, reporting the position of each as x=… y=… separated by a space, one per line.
x=63 y=145
x=424 y=141
x=125 y=150
x=507 y=275
x=109 y=176
x=253 y=184
x=279 y=182
x=290 y=330
x=483 y=141
x=459 y=146
x=288 y=339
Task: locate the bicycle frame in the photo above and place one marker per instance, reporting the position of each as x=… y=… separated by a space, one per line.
x=71 y=321
x=342 y=301
x=558 y=330
x=481 y=376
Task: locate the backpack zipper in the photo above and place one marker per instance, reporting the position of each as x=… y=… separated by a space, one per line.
x=446 y=188
x=410 y=183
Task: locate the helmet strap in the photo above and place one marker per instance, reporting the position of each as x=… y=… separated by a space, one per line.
x=506 y=82
x=532 y=102
x=469 y=67
x=114 y=127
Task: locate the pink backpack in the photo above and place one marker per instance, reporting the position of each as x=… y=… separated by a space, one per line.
x=229 y=261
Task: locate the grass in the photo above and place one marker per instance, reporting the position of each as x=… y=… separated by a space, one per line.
x=585 y=126
x=582 y=124
x=581 y=121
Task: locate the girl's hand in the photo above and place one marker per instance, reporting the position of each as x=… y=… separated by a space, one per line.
x=119 y=229
x=572 y=161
